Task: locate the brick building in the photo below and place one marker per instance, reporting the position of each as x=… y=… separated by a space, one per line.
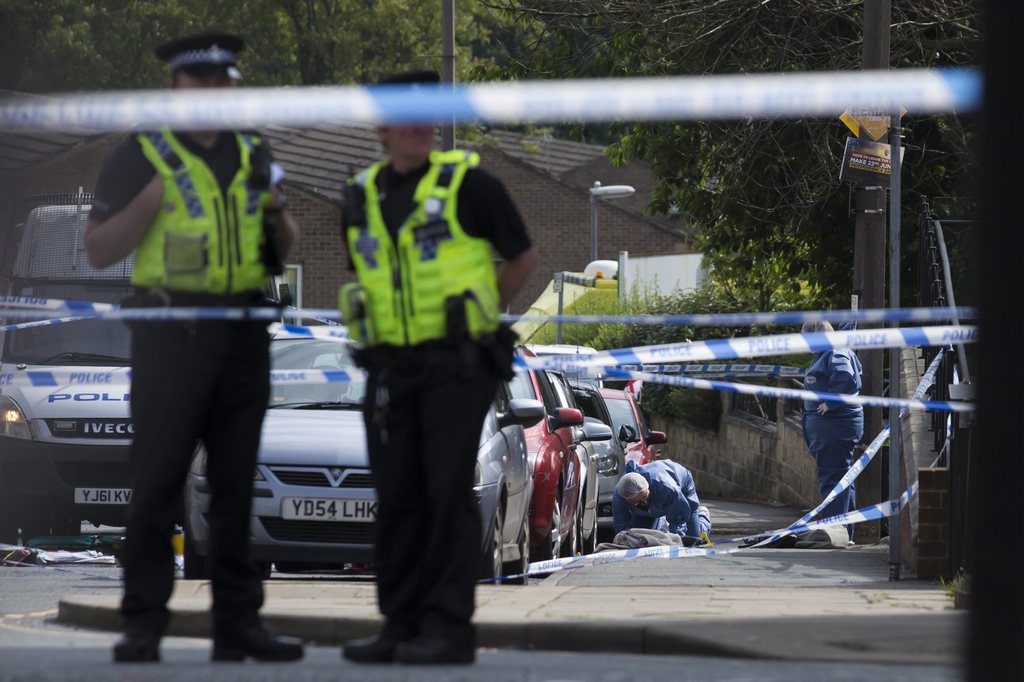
x=548 y=180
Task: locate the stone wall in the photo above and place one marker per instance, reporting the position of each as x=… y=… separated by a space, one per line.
x=748 y=458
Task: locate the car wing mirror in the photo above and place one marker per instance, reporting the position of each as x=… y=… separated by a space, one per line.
x=522 y=411
x=656 y=438
x=628 y=434
x=565 y=416
x=596 y=431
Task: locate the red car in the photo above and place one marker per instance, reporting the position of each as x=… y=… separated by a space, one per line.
x=554 y=462
x=629 y=425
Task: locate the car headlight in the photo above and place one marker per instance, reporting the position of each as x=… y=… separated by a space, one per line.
x=607 y=466
x=12 y=420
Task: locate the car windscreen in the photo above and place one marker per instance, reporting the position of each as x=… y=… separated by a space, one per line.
x=621 y=413
x=306 y=354
x=82 y=342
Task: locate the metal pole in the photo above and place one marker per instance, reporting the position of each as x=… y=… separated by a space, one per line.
x=947 y=277
x=448 y=65
x=895 y=432
x=561 y=288
x=869 y=265
x=593 y=225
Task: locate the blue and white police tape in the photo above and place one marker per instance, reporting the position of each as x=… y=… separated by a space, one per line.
x=158 y=314
x=753 y=346
x=795 y=393
x=41 y=323
x=31 y=308
x=94 y=380
x=762 y=95
x=279 y=377
x=792 y=317
x=334 y=332
x=703 y=370
x=873 y=512
x=614 y=556
x=52 y=305
x=60 y=379
x=927 y=380
x=870 y=513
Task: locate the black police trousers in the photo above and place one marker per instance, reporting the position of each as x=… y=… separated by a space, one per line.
x=192 y=381
x=424 y=412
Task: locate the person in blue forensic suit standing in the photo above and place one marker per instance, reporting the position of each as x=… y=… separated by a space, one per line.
x=832 y=430
x=659 y=496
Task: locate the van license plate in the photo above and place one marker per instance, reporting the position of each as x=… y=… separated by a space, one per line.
x=326 y=509
x=103 y=495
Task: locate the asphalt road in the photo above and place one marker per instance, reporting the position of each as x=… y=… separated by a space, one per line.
x=34 y=647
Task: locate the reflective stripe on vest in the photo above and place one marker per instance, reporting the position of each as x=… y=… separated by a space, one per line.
x=407 y=283
x=202 y=240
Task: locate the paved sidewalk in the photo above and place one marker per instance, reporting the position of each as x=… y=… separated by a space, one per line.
x=787 y=604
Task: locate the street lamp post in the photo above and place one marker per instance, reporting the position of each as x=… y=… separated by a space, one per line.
x=608 y=192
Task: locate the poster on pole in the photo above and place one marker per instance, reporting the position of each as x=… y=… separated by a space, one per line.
x=867 y=163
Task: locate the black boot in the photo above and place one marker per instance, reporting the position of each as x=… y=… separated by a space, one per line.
x=137 y=648
x=258 y=643
x=376 y=649
x=434 y=649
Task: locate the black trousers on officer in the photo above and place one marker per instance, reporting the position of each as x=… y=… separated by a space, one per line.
x=424 y=412
x=192 y=381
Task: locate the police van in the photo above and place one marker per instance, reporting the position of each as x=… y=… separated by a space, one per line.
x=65 y=422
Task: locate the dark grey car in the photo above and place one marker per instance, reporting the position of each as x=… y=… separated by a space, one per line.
x=314 y=501
x=609 y=455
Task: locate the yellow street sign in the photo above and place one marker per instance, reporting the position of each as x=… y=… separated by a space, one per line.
x=874 y=124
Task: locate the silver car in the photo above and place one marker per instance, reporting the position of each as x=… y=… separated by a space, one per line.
x=314 y=501
x=609 y=455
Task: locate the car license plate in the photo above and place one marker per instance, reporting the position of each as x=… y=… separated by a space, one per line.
x=326 y=509
x=103 y=495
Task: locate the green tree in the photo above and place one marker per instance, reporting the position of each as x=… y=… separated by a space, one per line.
x=68 y=45
x=764 y=196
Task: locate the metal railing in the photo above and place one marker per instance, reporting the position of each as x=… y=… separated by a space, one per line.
x=952 y=432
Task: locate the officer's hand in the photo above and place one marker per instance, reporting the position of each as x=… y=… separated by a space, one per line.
x=822 y=408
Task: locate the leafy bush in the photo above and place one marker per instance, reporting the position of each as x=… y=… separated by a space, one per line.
x=695 y=407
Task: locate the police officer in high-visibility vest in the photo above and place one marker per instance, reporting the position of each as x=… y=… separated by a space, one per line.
x=420 y=226
x=206 y=222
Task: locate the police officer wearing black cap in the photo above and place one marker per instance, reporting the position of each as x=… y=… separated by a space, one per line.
x=420 y=228
x=206 y=223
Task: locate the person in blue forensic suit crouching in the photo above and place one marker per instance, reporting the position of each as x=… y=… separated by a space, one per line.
x=659 y=496
x=832 y=430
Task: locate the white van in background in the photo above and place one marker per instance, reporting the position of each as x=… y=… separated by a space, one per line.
x=65 y=420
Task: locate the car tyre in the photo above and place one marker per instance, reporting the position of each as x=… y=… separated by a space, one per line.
x=571 y=543
x=490 y=563
x=522 y=564
x=553 y=543
x=588 y=543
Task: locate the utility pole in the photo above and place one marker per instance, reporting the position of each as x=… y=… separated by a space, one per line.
x=869 y=259
x=448 y=65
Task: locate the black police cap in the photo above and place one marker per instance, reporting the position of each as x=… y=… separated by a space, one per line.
x=411 y=77
x=206 y=51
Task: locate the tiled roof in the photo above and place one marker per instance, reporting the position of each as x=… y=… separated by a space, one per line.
x=19 y=151
x=322 y=158
x=546 y=154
